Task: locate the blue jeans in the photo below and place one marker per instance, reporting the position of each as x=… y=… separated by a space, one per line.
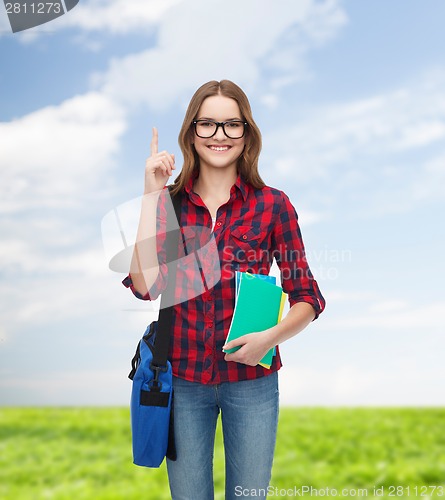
x=249 y=411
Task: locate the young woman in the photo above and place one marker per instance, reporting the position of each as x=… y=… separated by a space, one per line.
x=252 y=224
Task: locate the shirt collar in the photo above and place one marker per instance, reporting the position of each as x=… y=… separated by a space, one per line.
x=189 y=186
x=240 y=183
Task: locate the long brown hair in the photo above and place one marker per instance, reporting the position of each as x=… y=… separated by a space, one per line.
x=247 y=162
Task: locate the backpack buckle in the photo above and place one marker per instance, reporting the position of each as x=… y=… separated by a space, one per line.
x=155 y=384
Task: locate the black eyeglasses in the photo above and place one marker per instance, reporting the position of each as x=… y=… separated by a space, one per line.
x=233 y=129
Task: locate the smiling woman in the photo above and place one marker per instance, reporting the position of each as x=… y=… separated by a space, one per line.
x=220 y=102
x=252 y=224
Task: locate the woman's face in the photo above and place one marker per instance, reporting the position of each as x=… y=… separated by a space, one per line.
x=219 y=151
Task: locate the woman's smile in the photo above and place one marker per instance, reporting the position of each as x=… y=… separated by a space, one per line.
x=219 y=149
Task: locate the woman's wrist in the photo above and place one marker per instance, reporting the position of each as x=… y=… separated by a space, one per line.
x=300 y=315
x=270 y=337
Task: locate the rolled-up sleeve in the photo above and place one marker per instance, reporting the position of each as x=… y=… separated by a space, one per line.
x=160 y=283
x=156 y=289
x=288 y=249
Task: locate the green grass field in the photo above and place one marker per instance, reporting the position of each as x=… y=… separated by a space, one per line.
x=85 y=453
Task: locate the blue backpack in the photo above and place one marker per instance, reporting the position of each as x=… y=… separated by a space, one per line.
x=151 y=408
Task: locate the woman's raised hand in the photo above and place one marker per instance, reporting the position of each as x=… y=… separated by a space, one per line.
x=158 y=167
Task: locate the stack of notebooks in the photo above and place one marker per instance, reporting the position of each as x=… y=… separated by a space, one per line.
x=259 y=305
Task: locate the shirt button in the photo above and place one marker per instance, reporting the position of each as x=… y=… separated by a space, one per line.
x=244 y=237
x=219 y=223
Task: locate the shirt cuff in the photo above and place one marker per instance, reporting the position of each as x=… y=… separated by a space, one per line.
x=316 y=305
x=153 y=293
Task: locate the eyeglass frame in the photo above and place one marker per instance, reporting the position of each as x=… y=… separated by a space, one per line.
x=220 y=124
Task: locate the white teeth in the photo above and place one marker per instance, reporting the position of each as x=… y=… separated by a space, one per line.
x=219 y=148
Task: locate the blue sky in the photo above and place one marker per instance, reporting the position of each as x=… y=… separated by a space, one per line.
x=350 y=98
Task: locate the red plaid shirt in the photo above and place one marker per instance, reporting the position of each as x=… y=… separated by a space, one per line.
x=252 y=228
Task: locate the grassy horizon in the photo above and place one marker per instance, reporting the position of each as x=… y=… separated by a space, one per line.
x=84 y=453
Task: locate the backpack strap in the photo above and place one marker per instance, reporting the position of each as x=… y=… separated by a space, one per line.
x=135 y=361
x=164 y=327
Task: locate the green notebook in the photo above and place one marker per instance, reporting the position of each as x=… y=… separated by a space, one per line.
x=259 y=306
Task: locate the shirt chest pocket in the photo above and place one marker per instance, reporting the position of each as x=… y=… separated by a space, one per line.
x=247 y=244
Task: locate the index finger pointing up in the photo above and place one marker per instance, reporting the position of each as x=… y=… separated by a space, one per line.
x=154 y=142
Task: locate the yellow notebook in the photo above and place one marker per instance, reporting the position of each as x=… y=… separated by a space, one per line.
x=259 y=306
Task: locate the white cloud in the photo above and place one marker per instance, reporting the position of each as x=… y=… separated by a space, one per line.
x=430 y=183
x=326 y=19
x=394 y=314
x=3 y=335
x=385 y=150
x=51 y=155
x=352 y=295
x=50 y=295
x=67 y=388
x=5 y=27
x=198 y=42
x=55 y=164
x=388 y=306
x=337 y=134
x=402 y=384
x=312 y=217
x=269 y=100
x=421 y=134
x=117 y=16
